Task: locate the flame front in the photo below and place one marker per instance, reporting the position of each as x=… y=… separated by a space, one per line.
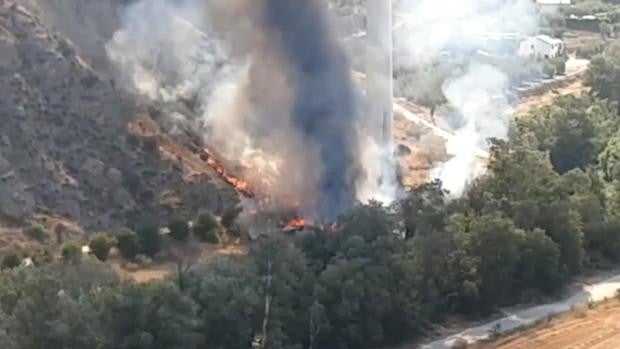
x=296 y=223
x=265 y=202
x=241 y=186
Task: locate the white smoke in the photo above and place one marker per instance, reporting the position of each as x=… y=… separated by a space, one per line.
x=483 y=105
x=170 y=52
x=237 y=70
x=163 y=51
x=473 y=35
x=380 y=182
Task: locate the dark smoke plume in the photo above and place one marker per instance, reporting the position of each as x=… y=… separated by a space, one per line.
x=324 y=99
x=274 y=85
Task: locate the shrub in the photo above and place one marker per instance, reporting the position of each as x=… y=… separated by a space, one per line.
x=100 y=245
x=150 y=240
x=71 y=252
x=230 y=216
x=128 y=243
x=205 y=226
x=179 y=229
x=44 y=256
x=36 y=231
x=59 y=232
x=11 y=261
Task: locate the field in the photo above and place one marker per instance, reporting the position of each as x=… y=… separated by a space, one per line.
x=534 y=102
x=598 y=328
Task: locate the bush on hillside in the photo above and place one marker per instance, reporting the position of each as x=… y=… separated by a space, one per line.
x=205 y=227
x=36 y=231
x=11 y=261
x=100 y=245
x=229 y=217
x=71 y=252
x=128 y=243
x=179 y=229
x=150 y=240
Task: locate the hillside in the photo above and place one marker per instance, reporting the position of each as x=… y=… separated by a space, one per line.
x=66 y=148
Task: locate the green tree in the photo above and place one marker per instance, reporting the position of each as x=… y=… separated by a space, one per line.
x=71 y=252
x=423 y=85
x=36 y=231
x=11 y=260
x=286 y=292
x=609 y=159
x=540 y=202
x=574 y=130
x=128 y=243
x=150 y=240
x=179 y=229
x=369 y=288
x=149 y=316
x=50 y=306
x=227 y=293
x=424 y=210
x=604 y=74
x=205 y=227
x=494 y=241
x=100 y=245
x=539 y=267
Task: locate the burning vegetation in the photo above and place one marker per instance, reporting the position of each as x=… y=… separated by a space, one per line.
x=240 y=186
x=286 y=205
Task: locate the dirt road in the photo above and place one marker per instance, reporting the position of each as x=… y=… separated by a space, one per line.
x=598 y=328
x=519 y=319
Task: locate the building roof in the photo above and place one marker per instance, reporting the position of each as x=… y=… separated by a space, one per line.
x=553 y=2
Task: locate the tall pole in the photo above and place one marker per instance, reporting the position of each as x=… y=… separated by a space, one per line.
x=379 y=78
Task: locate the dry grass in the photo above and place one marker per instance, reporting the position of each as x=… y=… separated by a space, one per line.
x=425 y=148
x=538 y=101
x=583 y=328
x=194 y=169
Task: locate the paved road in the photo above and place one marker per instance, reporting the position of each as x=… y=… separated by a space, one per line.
x=591 y=293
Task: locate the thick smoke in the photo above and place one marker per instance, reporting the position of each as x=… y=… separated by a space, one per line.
x=471 y=37
x=268 y=85
x=324 y=110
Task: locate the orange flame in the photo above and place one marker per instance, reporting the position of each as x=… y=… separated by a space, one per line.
x=241 y=187
x=296 y=223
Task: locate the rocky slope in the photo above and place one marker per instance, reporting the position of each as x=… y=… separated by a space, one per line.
x=66 y=147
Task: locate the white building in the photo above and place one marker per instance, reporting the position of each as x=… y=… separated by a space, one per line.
x=552 y=6
x=542 y=46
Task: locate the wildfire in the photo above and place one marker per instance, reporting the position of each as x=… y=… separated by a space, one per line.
x=295 y=224
x=241 y=187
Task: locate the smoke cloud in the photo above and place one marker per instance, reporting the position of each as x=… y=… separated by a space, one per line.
x=268 y=84
x=472 y=37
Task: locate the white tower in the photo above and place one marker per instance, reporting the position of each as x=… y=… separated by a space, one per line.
x=379 y=84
